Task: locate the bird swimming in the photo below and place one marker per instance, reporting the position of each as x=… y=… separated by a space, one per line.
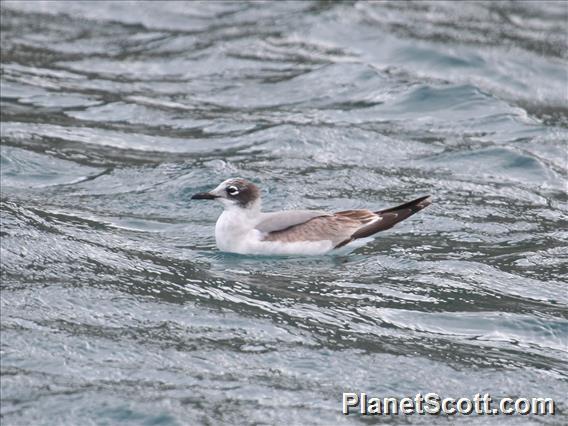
x=243 y=228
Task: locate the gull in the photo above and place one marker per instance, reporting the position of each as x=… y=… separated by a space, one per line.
x=244 y=229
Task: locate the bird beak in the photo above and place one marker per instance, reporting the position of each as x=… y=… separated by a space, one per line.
x=204 y=196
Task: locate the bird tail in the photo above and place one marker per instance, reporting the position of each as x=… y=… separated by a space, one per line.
x=389 y=218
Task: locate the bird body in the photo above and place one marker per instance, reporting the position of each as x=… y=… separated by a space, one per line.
x=243 y=228
x=243 y=233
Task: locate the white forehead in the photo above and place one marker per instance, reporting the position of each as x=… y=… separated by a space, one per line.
x=231 y=181
x=224 y=184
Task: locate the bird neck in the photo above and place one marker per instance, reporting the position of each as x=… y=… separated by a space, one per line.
x=245 y=214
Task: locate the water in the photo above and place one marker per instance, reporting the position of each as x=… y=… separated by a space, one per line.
x=118 y=308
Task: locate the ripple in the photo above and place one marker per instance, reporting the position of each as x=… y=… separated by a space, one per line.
x=25 y=169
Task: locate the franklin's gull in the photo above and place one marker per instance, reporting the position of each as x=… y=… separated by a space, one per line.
x=243 y=228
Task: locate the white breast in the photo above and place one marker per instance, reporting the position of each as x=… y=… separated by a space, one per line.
x=234 y=229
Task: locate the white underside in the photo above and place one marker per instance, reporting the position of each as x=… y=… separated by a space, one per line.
x=235 y=233
x=253 y=245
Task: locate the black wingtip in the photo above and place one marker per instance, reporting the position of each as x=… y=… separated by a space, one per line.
x=414 y=205
x=392 y=216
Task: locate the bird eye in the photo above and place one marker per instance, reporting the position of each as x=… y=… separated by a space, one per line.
x=232 y=190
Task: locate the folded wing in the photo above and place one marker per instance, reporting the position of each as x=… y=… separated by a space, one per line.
x=340 y=228
x=279 y=221
x=333 y=227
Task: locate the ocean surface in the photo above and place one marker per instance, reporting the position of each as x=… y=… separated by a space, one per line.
x=116 y=306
